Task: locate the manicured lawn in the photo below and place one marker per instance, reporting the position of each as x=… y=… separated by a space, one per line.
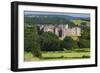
x=63 y=55
x=67 y=54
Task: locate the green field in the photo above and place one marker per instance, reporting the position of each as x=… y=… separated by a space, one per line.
x=67 y=54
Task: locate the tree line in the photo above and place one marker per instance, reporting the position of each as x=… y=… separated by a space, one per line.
x=48 y=41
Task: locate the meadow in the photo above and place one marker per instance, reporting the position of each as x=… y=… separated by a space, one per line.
x=54 y=55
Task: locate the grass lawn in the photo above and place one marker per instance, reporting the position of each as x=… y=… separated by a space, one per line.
x=67 y=54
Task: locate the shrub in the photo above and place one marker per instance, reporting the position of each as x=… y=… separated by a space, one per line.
x=69 y=43
x=50 y=42
x=85 y=56
x=83 y=43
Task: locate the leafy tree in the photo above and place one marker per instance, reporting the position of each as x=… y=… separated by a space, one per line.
x=71 y=24
x=36 y=50
x=50 y=42
x=84 y=23
x=31 y=43
x=85 y=33
x=69 y=43
x=84 y=39
x=83 y=43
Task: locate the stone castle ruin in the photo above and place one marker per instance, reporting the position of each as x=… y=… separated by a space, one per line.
x=60 y=30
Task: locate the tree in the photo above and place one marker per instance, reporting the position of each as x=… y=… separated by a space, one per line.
x=36 y=50
x=83 y=43
x=31 y=40
x=50 y=42
x=69 y=43
x=84 y=23
x=71 y=24
x=84 y=39
x=85 y=32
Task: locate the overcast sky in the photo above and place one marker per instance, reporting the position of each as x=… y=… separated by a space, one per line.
x=57 y=13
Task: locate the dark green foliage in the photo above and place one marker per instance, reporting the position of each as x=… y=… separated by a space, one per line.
x=84 y=23
x=31 y=42
x=85 y=56
x=84 y=39
x=84 y=43
x=48 y=20
x=85 y=33
x=71 y=24
x=69 y=43
x=36 y=50
x=50 y=42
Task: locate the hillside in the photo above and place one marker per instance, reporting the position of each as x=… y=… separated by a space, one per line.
x=52 y=19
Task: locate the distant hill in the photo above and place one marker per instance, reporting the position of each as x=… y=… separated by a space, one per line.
x=61 y=16
x=51 y=19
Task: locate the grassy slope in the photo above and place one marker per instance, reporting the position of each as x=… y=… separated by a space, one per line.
x=78 y=22
x=68 y=54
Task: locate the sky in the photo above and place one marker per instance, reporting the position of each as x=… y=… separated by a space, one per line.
x=57 y=13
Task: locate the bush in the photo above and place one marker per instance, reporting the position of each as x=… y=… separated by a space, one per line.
x=50 y=42
x=83 y=43
x=85 y=56
x=36 y=50
x=69 y=43
x=31 y=40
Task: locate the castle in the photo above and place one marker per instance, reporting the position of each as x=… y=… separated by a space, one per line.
x=60 y=30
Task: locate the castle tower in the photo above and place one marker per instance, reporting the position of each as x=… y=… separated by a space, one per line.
x=56 y=31
x=78 y=31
